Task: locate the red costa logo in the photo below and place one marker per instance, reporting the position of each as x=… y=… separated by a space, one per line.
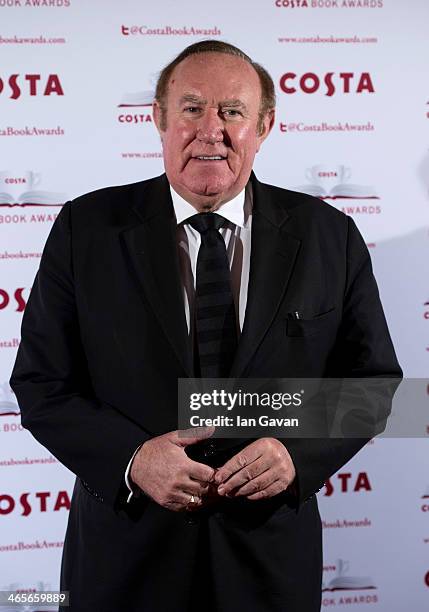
x=292 y=3
x=427 y=579
x=348 y=483
x=31 y=84
x=42 y=501
x=15 y=181
x=134 y=118
x=343 y=82
x=426 y=311
x=17 y=295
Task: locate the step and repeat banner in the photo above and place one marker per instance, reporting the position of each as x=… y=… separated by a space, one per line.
x=352 y=128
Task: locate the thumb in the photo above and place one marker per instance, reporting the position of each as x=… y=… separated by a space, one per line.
x=185 y=437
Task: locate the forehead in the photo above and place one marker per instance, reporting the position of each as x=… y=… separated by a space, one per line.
x=215 y=75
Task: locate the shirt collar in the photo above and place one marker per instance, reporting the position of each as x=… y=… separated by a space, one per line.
x=233 y=210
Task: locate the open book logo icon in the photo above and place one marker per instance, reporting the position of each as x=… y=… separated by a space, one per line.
x=331 y=182
x=22 y=189
x=426 y=493
x=8 y=404
x=344 y=582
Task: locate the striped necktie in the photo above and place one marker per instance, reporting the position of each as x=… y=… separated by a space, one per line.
x=215 y=321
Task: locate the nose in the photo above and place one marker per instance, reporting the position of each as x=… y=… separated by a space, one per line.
x=210 y=127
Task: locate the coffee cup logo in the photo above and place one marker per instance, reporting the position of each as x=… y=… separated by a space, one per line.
x=15 y=183
x=21 y=188
x=332 y=182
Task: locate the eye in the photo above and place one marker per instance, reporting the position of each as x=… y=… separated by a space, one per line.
x=231 y=112
x=192 y=109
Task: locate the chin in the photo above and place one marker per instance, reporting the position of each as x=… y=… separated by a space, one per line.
x=207 y=186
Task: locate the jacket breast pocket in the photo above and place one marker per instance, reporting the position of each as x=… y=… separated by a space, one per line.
x=309 y=325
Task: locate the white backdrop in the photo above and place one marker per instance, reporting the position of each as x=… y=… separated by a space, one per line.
x=76 y=82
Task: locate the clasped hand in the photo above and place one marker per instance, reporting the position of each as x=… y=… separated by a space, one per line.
x=163 y=470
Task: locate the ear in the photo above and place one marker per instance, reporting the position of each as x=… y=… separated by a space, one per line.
x=157 y=112
x=267 y=126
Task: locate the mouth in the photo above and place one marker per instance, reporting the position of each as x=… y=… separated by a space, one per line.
x=209 y=158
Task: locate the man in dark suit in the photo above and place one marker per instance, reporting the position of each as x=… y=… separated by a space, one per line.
x=132 y=287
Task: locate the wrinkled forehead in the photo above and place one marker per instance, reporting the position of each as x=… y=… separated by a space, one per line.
x=215 y=76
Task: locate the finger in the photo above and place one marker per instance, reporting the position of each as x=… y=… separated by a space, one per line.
x=211 y=493
x=261 y=482
x=195 y=487
x=188 y=499
x=242 y=459
x=276 y=487
x=178 y=501
x=246 y=474
x=185 y=437
x=194 y=502
x=200 y=471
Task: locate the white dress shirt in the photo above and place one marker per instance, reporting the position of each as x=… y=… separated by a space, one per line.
x=237 y=235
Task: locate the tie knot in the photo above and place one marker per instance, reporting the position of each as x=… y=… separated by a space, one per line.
x=203 y=222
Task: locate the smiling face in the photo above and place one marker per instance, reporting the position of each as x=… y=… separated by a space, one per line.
x=210 y=130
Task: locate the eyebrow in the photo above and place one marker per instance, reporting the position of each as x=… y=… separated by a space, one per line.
x=193 y=99
x=232 y=103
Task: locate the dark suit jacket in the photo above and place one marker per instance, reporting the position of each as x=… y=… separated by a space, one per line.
x=104 y=340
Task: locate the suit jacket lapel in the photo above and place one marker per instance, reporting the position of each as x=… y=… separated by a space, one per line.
x=272 y=259
x=152 y=248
